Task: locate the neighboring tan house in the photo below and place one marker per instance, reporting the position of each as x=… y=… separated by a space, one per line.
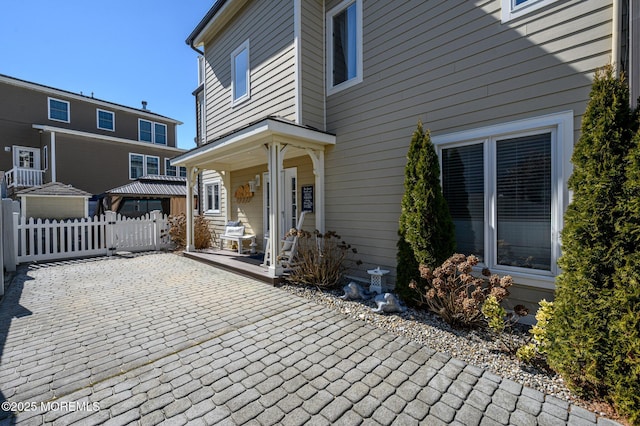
x=322 y=97
x=52 y=135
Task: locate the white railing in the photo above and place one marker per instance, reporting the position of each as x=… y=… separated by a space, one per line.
x=20 y=177
x=43 y=240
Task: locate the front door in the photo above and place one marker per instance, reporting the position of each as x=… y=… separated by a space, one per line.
x=289 y=208
x=26 y=158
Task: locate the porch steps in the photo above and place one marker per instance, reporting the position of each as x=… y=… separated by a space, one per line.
x=232 y=262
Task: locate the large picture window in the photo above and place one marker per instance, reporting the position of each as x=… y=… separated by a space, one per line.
x=502 y=187
x=344 y=45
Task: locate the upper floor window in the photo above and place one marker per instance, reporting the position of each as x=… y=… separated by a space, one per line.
x=106 y=120
x=59 y=110
x=170 y=170
x=240 y=83
x=512 y=9
x=149 y=131
x=344 y=45
x=140 y=165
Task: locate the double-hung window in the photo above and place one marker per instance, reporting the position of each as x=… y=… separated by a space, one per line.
x=212 y=197
x=173 y=170
x=106 y=120
x=506 y=190
x=151 y=132
x=140 y=165
x=512 y=9
x=344 y=45
x=240 y=74
x=59 y=110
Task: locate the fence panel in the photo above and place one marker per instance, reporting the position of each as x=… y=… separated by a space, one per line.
x=38 y=240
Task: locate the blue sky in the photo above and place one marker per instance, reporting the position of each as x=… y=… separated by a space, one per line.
x=124 y=51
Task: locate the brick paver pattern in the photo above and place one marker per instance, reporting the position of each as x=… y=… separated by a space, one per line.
x=161 y=338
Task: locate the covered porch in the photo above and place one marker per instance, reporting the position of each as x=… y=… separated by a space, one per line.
x=269 y=153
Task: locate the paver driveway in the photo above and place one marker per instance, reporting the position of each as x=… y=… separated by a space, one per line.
x=160 y=337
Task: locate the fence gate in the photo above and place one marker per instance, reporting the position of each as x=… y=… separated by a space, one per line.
x=38 y=240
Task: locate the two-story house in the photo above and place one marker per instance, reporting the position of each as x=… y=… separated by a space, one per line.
x=53 y=135
x=322 y=96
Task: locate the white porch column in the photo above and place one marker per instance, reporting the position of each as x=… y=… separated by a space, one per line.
x=52 y=160
x=317 y=158
x=276 y=154
x=226 y=183
x=191 y=180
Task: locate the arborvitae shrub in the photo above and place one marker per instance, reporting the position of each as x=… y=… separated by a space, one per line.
x=623 y=376
x=425 y=221
x=580 y=345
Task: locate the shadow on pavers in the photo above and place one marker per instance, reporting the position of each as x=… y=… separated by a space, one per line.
x=10 y=309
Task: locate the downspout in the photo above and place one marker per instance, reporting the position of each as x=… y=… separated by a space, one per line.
x=615 y=37
x=190 y=43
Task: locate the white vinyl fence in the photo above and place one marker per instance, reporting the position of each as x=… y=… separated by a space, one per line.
x=43 y=240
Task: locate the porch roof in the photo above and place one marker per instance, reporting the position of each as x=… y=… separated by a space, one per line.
x=243 y=148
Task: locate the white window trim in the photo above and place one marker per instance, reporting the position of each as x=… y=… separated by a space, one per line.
x=45 y=157
x=140 y=120
x=634 y=51
x=561 y=127
x=49 y=99
x=144 y=165
x=510 y=11
x=153 y=132
x=166 y=134
x=167 y=165
x=146 y=160
x=235 y=53
x=331 y=89
x=113 y=115
x=211 y=209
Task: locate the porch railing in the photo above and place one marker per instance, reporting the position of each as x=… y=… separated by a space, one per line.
x=21 y=177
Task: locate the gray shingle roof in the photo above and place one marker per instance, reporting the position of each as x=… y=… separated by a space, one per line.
x=54 y=188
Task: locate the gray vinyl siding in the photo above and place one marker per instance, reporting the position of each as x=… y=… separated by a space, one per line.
x=453 y=65
x=269 y=28
x=312 y=57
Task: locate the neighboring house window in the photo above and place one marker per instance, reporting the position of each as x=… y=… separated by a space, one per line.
x=45 y=155
x=140 y=165
x=240 y=71
x=173 y=170
x=212 y=201
x=344 y=45
x=59 y=110
x=136 y=166
x=151 y=132
x=160 y=133
x=106 y=120
x=499 y=184
x=512 y=9
x=145 y=130
x=153 y=165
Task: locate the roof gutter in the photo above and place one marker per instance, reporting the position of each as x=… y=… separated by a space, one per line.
x=203 y=23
